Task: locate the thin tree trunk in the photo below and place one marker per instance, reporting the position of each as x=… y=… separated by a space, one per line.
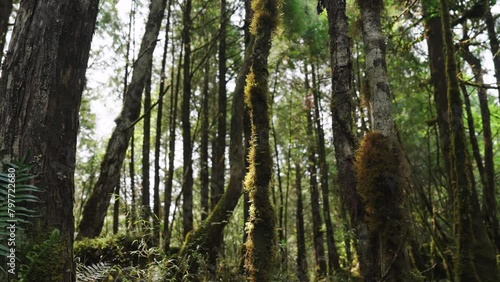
x=47 y=61
x=187 y=163
x=146 y=148
x=97 y=205
x=204 y=175
x=319 y=248
x=116 y=209
x=301 y=240
x=159 y=120
x=489 y=199
x=171 y=148
x=218 y=160
x=133 y=202
x=333 y=256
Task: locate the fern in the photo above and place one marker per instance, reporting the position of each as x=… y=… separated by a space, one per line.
x=92 y=273
x=14 y=192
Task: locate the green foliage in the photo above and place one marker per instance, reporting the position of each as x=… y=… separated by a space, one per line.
x=44 y=257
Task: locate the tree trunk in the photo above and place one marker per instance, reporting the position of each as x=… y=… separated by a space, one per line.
x=171 y=148
x=47 y=61
x=333 y=256
x=459 y=174
x=261 y=227
x=319 y=247
x=218 y=164
x=301 y=240
x=159 y=120
x=133 y=202
x=204 y=176
x=344 y=140
x=98 y=202
x=187 y=162
x=145 y=208
x=435 y=48
x=116 y=209
x=393 y=233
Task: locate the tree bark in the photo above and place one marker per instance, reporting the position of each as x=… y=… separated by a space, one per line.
x=187 y=163
x=145 y=207
x=301 y=240
x=318 y=241
x=204 y=175
x=261 y=239
x=46 y=63
x=98 y=202
x=344 y=140
x=218 y=165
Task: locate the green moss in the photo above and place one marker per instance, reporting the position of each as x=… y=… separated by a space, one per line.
x=44 y=260
x=380 y=187
x=119 y=249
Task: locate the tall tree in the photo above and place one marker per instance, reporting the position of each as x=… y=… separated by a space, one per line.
x=96 y=207
x=47 y=61
x=187 y=162
x=204 y=175
x=146 y=148
x=301 y=240
x=318 y=240
x=218 y=160
x=333 y=256
x=261 y=230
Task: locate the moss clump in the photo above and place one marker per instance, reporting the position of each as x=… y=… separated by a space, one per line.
x=380 y=187
x=378 y=180
x=119 y=249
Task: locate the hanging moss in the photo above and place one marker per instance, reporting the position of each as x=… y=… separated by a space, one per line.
x=378 y=184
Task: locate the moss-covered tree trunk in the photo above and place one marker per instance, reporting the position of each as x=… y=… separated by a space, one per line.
x=260 y=244
x=459 y=173
x=97 y=205
x=40 y=93
x=387 y=241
